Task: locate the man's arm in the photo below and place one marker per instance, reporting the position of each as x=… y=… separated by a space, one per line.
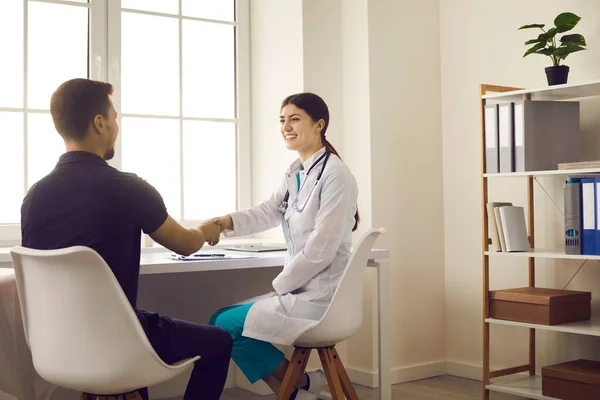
x=145 y=206
x=183 y=240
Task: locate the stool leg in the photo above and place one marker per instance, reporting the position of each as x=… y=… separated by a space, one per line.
x=344 y=378
x=331 y=373
x=295 y=369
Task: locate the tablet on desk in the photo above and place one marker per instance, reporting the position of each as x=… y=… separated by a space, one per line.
x=257 y=248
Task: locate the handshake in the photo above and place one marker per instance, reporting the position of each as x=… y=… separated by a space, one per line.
x=213 y=228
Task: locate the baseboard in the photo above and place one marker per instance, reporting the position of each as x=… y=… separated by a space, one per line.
x=399 y=375
x=464 y=370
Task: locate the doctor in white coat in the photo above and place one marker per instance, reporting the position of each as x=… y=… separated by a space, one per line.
x=316 y=206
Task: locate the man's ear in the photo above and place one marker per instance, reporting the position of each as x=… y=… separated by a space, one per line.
x=99 y=122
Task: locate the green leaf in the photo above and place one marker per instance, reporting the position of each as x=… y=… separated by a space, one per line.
x=534 y=49
x=566 y=21
x=532 y=26
x=563 y=52
x=547 y=52
x=532 y=41
x=551 y=33
x=573 y=39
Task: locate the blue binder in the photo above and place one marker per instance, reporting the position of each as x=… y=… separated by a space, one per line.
x=597 y=211
x=588 y=212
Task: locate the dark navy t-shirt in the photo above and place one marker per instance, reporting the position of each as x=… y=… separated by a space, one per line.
x=86 y=202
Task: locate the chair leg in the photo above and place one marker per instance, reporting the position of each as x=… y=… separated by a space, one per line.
x=331 y=373
x=344 y=378
x=295 y=369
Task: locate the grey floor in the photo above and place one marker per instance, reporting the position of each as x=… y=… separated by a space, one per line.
x=439 y=388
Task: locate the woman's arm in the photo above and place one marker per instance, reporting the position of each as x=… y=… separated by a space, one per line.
x=334 y=220
x=260 y=218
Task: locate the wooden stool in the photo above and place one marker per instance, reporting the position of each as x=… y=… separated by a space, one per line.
x=337 y=377
x=127 y=396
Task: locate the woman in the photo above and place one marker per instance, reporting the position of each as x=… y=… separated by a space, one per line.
x=316 y=206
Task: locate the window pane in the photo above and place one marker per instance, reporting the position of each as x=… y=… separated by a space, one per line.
x=209 y=169
x=57 y=49
x=161 y=6
x=11 y=167
x=223 y=10
x=208 y=70
x=44 y=146
x=150 y=64
x=11 y=68
x=151 y=150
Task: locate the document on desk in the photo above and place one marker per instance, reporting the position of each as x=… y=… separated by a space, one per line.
x=207 y=257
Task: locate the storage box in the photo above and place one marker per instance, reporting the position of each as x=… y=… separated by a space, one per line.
x=573 y=380
x=547 y=133
x=540 y=305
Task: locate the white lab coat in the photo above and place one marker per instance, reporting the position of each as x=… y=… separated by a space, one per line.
x=319 y=241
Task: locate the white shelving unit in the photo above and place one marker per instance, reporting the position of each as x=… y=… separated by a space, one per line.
x=512 y=380
x=542 y=253
x=589 y=328
x=569 y=91
x=558 y=172
x=528 y=386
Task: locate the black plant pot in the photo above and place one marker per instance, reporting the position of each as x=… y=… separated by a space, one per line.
x=557 y=75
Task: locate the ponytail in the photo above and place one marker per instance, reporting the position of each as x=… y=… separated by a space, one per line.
x=332 y=149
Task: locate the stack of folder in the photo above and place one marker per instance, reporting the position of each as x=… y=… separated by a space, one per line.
x=582 y=214
x=507 y=227
x=531 y=135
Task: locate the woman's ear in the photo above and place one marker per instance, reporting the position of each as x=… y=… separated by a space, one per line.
x=320 y=125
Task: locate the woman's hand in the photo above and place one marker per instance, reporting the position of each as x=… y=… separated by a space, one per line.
x=225 y=222
x=211 y=232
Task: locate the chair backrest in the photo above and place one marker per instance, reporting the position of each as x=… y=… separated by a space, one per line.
x=345 y=313
x=81 y=329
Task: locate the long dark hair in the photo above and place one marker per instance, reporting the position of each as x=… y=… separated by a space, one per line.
x=317 y=109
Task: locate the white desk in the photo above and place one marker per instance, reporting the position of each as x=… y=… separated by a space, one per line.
x=159 y=263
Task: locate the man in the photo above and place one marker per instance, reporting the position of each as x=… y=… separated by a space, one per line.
x=86 y=202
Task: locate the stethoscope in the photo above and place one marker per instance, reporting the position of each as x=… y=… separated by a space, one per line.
x=284 y=204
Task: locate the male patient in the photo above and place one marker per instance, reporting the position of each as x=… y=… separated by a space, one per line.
x=86 y=202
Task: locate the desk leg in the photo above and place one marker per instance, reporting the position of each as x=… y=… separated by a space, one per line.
x=383 y=300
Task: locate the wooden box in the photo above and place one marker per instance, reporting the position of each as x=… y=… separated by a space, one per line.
x=540 y=306
x=573 y=380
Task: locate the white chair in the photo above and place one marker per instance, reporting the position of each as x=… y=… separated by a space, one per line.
x=81 y=329
x=342 y=319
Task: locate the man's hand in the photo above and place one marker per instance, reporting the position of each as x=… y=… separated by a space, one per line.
x=212 y=232
x=225 y=223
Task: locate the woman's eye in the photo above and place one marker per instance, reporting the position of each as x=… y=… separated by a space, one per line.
x=295 y=119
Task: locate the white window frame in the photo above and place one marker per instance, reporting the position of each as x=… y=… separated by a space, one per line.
x=104 y=64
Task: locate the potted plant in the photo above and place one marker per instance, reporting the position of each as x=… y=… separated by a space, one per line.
x=546 y=44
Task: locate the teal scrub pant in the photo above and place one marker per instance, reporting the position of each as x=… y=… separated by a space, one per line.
x=254 y=357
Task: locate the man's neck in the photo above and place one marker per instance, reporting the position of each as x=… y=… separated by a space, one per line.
x=78 y=146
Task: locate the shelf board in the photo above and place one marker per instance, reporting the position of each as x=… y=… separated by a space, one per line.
x=543 y=253
x=557 y=172
x=529 y=387
x=588 y=328
x=569 y=91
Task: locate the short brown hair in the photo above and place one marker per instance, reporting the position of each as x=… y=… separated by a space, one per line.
x=75 y=104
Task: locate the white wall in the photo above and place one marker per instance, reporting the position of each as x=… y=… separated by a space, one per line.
x=276 y=53
x=406 y=176
x=480 y=43
x=383 y=92
x=357 y=155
